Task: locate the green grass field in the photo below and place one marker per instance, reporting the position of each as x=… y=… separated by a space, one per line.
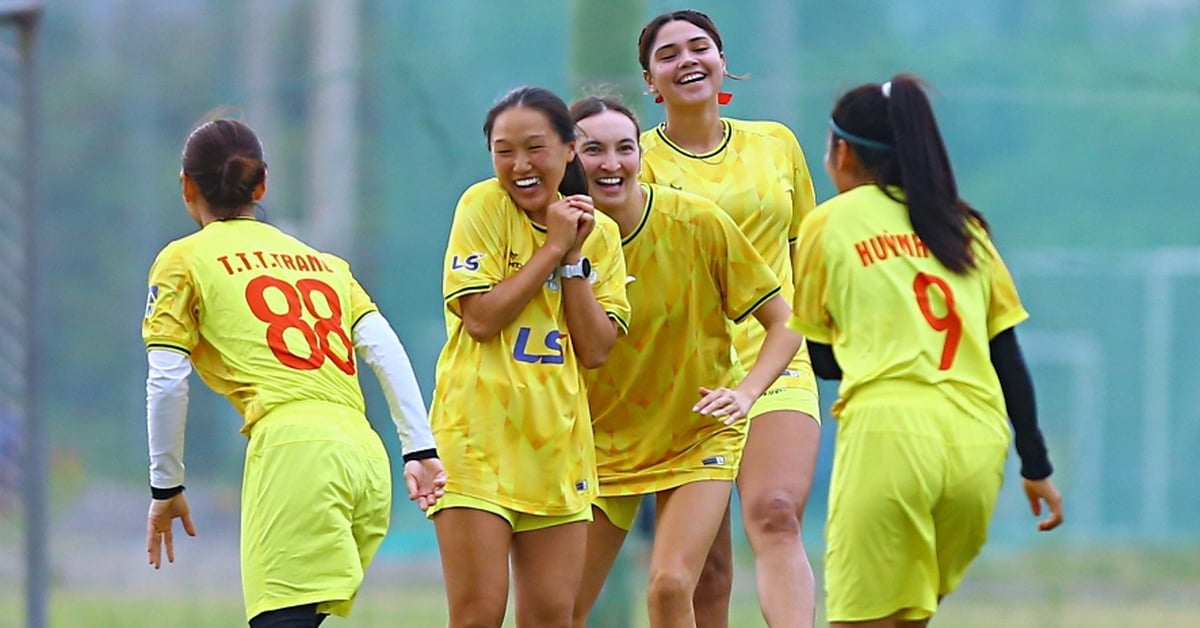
x=1051 y=589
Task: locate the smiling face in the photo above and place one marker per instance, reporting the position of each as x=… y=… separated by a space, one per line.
x=685 y=65
x=608 y=149
x=529 y=157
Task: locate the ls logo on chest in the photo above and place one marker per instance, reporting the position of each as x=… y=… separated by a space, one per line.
x=551 y=351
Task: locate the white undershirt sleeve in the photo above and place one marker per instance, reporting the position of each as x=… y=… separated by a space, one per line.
x=166 y=415
x=377 y=344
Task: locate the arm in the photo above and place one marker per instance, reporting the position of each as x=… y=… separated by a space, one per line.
x=377 y=344
x=592 y=332
x=166 y=420
x=824 y=363
x=778 y=349
x=485 y=314
x=1017 y=387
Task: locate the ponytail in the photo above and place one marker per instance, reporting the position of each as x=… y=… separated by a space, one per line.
x=574 y=180
x=899 y=143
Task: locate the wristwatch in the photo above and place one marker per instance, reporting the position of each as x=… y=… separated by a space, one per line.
x=581 y=269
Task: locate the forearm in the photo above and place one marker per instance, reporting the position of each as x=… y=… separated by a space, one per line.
x=1019 y=398
x=590 y=330
x=378 y=345
x=486 y=314
x=778 y=349
x=166 y=416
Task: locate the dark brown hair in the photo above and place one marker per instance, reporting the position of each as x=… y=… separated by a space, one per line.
x=589 y=106
x=225 y=159
x=550 y=105
x=896 y=137
x=650 y=31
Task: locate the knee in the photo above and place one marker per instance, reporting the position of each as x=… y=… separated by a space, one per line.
x=477 y=613
x=775 y=513
x=669 y=588
x=717 y=576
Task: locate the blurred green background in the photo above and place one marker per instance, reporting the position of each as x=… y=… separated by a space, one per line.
x=1073 y=125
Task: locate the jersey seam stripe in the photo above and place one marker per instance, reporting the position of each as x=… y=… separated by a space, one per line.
x=465 y=291
x=620 y=321
x=362 y=316
x=757 y=304
x=645 y=215
x=169 y=347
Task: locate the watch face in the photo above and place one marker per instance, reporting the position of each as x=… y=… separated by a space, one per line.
x=586 y=264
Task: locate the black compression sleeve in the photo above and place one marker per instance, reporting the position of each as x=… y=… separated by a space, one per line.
x=1022 y=405
x=823 y=362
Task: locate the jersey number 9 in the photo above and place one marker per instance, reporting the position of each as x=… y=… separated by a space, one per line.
x=299 y=299
x=950 y=322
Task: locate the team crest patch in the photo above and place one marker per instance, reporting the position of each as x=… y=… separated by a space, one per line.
x=151 y=298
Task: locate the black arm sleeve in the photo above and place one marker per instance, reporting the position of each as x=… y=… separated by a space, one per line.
x=1022 y=406
x=823 y=362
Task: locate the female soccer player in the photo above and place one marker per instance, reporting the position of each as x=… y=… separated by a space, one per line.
x=756 y=172
x=274 y=326
x=667 y=408
x=898 y=274
x=534 y=285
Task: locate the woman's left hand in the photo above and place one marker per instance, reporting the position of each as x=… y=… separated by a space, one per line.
x=727 y=403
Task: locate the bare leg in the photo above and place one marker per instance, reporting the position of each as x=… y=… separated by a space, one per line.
x=547 y=569
x=604 y=542
x=774 y=482
x=688 y=519
x=474 y=546
x=715 y=588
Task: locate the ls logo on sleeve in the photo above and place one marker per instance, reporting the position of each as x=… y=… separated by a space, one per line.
x=151 y=299
x=470 y=263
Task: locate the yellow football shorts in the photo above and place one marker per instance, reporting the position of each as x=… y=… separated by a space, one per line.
x=316 y=502
x=912 y=492
x=621 y=510
x=520 y=521
x=794 y=391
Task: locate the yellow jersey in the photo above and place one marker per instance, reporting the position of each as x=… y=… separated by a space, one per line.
x=690 y=271
x=893 y=313
x=265 y=319
x=510 y=415
x=759 y=176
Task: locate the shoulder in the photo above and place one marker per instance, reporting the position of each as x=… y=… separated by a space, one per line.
x=178 y=251
x=608 y=230
x=768 y=131
x=686 y=206
x=484 y=193
x=650 y=138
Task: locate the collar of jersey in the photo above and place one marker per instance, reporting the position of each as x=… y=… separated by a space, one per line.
x=727 y=134
x=649 y=191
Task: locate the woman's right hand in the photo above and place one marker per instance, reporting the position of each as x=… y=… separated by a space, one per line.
x=562 y=224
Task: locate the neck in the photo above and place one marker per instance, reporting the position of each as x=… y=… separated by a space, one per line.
x=628 y=214
x=206 y=216
x=695 y=129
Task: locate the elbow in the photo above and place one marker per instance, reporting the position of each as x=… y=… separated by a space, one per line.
x=479 y=331
x=592 y=360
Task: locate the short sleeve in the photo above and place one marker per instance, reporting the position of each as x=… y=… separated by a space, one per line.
x=810 y=303
x=803 y=195
x=745 y=280
x=360 y=302
x=1004 y=307
x=474 y=261
x=172 y=319
x=603 y=249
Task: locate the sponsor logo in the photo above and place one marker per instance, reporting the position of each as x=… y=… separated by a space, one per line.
x=714 y=461
x=551 y=351
x=469 y=263
x=151 y=299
